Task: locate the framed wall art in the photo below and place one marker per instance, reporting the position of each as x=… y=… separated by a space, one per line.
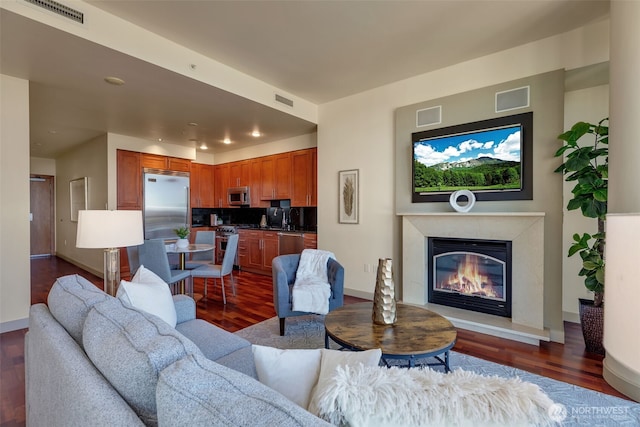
x=78 y=196
x=348 y=197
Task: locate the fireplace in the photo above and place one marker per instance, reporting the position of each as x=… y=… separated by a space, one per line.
x=470 y=274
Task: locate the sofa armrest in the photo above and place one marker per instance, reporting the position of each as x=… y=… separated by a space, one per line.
x=335 y=274
x=185 y=308
x=283 y=270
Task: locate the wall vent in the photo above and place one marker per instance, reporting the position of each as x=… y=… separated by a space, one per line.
x=283 y=100
x=59 y=9
x=512 y=99
x=429 y=116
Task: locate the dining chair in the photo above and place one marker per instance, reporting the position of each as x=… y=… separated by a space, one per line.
x=134 y=260
x=153 y=255
x=218 y=271
x=201 y=258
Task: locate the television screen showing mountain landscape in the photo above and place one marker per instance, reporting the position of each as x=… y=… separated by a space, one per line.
x=485 y=160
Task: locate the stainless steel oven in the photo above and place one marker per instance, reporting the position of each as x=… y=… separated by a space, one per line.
x=222 y=235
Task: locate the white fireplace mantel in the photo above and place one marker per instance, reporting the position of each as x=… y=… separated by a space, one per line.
x=526 y=232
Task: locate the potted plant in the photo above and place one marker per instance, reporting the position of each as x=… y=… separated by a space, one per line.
x=588 y=167
x=182 y=233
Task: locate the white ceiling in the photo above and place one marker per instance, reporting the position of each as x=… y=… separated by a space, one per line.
x=317 y=50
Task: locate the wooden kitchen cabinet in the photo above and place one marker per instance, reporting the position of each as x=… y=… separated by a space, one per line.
x=256 y=184
x=156 y=161
x=129 y=180
x=256 y=250
x=153 y=161
x=310 y=240
x=240 y=174
x=202 y=191
x=276 y=177
x=304 y=178
x=221 y=185
x=179 y=165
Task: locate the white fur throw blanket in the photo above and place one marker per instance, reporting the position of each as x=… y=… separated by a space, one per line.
x=395 y=397
x=311 y=290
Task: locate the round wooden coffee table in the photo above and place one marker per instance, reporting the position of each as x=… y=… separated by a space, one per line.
x=417 y=334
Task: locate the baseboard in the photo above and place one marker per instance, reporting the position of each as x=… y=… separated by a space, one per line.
x=14 y=325
x=359 y=294
x=82 y=266
x=620 y=377
x=568 y=316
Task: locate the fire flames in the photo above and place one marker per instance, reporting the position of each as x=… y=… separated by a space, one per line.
x=470 y=279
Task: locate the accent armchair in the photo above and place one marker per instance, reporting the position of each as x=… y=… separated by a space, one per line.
x=284 y=269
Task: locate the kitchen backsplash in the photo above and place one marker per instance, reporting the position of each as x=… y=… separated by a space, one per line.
x=298 y=218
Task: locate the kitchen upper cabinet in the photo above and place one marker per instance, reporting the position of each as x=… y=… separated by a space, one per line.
x=221 y=185
x=256 y=184
x=240 y=174
x=156 y=161
x=202 y=191
x=276 y=177
x=304 y=177
x=177 y=164
x=129 y=180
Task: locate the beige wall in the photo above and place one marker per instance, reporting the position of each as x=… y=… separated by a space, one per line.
x=591 y=105
x=357 y=132
x=40 y=166
x=15 y=273
x=290 y=144
x=547 y=104
x=90 y=160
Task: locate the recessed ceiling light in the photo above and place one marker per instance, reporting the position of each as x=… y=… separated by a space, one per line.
x=256 y=133
x=193 y=124
x=114 y=81
x=203 y=146
x=53 y=131
x=227 y=141
x=159 y=139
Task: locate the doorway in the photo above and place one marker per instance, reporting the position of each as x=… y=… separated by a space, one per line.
x=42 y=215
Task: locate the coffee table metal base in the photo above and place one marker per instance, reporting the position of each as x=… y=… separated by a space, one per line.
x=411 y=359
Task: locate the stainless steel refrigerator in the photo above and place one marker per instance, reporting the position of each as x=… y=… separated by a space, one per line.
x=166 y=203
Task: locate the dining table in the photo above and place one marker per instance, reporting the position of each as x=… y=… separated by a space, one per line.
x=182 y=252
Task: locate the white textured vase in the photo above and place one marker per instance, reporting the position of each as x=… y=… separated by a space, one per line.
x=384 y=297
x=182 y=243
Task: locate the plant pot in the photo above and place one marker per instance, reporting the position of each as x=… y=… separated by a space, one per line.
x=182 y=243
x=592 y=322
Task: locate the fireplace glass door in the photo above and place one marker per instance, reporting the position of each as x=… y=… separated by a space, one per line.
x=471 y=274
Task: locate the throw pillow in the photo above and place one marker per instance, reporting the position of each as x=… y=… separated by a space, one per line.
x=293 y=373
x=149 y=293
x=333 y=359
x=398 y=397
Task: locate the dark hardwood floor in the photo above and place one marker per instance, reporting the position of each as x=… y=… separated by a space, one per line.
x=254 y=303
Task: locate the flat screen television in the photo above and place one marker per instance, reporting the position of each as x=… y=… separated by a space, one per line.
x=492 y=158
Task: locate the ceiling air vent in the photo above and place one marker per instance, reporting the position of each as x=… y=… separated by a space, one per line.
x=512 y=99
x=429 y=116
x=284 y=100
x=59 y=9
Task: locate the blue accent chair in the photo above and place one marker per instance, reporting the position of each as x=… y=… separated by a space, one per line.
x=284 y=269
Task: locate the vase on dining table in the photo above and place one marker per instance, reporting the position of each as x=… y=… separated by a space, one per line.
x=384 y=297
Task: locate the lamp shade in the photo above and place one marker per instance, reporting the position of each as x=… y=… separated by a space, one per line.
x=109 y=229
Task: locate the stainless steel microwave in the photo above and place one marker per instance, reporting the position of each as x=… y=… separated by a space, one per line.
x=239 y=196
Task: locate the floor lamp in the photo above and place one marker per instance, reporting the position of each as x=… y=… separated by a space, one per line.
x=109 y=230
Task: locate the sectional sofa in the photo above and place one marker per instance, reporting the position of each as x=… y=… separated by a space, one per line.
x=92 y=359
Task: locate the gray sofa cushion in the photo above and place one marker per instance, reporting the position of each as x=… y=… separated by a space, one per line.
x=143 y=345
x=195 y=391
x=214 y=342
x=70 y=300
